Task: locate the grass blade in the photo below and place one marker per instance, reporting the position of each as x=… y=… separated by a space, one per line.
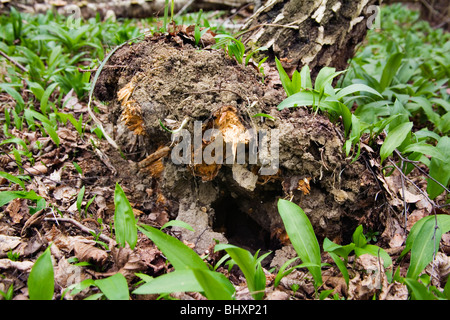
x=124 y=221
x=41 y=283
x=114 y=287
x=303 y=238
x=395 y=139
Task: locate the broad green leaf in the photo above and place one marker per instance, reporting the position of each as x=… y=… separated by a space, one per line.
x=342 y=251
x=417 y=290
x=124 y=221
x=357 y=87
x=306 y=98
x=7 y=196
x=13 y=93
x=424 y=242
x=324 y=76
x=439 y=170
x=302 y=236
x=80 y=197
x=281 y=273
x=263 y=115
x=176 y=281
x=390 y=70
x=45 y=96
x=358 y=237
x=341 y=265
x=41 y=283
x=12 y=178
x=426 y=149
x=246 y=262
x=305 y=77
x=215 y=285
x=285 y=80
x=177 y=223
x=394 y=139
x=179 y=255
x=114 y=287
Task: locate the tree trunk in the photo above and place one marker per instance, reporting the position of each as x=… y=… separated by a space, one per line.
x=168 y=82
x=316 y=33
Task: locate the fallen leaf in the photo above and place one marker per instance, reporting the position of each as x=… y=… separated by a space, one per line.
x=19 y=265
x=8 y=243
x=86 y=252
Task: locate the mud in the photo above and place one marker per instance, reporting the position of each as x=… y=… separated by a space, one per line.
x=168 y=80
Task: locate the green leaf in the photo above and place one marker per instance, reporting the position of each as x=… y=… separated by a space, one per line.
x=325 y=77
x=177 y=223
x=12 y=178
x=124 y=221
x=394 y=139
x=281 y=273
x=424 y=242
x=41 y=283
x=390 y=70
x=176 y=281
x=246 y=262
x=341 y=265
x=13 y=93
x=7 y=196
x=80 y=198
x=45 y=96
x=439 y=170
x=426 y=149
x=356 y=88
x=305 y=78
x=215 y=285
x=418 y=290
x=263 y=115
x=179 y=255
x=302 y=236
x=285 y=80
x=114 y=287
x=358 y=237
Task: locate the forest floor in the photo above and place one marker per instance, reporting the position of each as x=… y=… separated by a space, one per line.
x=58 y=187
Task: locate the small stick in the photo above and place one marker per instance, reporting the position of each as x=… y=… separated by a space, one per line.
x=80 y=226
x=18 y=65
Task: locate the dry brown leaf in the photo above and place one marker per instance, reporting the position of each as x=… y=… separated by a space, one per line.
x=8 y=243
x=16 y=210
x=37 y=169
x=88 y=253
x=19 y=265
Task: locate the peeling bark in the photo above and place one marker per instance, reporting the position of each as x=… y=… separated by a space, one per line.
x=317 y=33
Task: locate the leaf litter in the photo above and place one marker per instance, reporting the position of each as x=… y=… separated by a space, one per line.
x=54 y=177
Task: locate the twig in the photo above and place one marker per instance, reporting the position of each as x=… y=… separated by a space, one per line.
x=416 y=186
x=18 y=65
x=414 y=163
x=80 y=226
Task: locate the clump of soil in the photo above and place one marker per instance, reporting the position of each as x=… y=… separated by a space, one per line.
x=167 y=81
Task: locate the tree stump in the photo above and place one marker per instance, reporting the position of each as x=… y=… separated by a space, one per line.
x=169 y=84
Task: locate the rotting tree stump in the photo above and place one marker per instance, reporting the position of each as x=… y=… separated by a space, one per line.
x=170 y=82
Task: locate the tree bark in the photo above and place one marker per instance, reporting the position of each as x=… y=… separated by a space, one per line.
x=317 y=33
